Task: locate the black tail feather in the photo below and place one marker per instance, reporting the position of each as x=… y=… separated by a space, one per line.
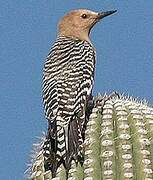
x=50 y=148
x=74 y=138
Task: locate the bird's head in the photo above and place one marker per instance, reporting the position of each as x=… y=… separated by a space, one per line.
x=78 y=23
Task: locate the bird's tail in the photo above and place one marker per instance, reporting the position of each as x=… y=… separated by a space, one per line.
x=63 y=144
x=49 y=149
x=75 y=141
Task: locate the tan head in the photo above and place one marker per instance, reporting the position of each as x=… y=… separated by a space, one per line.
x=78 y=23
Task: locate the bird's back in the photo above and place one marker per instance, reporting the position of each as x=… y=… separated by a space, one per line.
x=67 y=85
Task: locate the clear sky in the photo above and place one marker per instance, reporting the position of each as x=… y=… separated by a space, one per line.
x=124 y=44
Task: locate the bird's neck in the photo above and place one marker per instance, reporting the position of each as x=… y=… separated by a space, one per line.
x=76 y=35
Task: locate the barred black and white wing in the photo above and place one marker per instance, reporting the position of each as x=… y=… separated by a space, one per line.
x=67 y=85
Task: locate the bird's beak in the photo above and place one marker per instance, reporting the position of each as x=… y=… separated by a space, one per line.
x=104 y=14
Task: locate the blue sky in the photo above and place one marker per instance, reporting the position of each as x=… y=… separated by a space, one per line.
x=124 y=44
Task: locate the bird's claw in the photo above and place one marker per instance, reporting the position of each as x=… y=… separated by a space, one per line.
x=101 y=100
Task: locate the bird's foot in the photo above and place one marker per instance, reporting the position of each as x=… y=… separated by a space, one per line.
x=101 y=100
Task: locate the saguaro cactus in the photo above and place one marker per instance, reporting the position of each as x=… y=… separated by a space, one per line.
x=118 y=145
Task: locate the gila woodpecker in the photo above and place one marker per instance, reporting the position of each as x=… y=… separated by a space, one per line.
x=67 y=86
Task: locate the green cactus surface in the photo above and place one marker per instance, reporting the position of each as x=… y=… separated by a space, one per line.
x=118 y=145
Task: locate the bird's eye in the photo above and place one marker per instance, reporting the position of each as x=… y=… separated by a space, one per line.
x=84 y=16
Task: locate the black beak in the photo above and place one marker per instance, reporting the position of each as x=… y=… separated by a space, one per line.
x=104 y=14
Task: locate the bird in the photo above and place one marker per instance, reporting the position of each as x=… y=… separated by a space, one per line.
x=68 y=77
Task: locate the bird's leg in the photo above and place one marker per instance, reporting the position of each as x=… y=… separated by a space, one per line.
x=88 y=111
x=90 y=106
x=101 y=100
